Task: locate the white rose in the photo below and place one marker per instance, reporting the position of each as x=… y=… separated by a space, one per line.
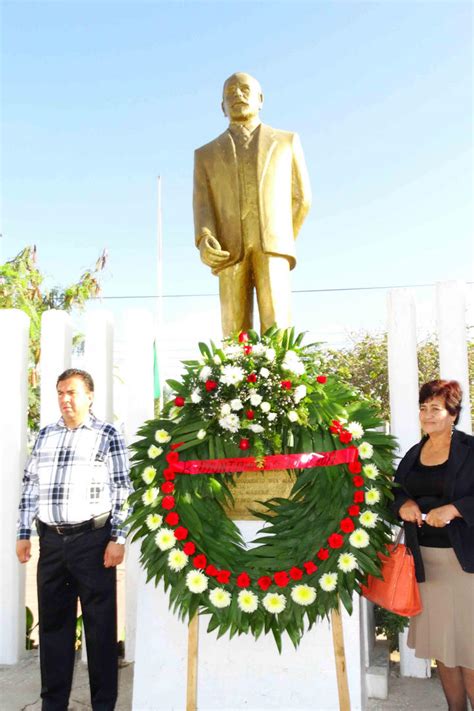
x=292 y=416
x=236 y=404
x=264 y=372
x=270 y=355
x=258 y=429
x=265 y=406
x=225 y=409
x=299 y=393
x=205 y=373
x=195 y=397
x=255 y=399
x=271 y=416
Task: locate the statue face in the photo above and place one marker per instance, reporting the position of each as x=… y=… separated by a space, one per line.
x=242 y=97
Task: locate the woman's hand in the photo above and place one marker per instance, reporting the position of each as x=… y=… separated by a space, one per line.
x=410 y=511
x=441 y=516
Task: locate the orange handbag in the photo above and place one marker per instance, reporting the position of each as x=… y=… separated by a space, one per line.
x=397 y=590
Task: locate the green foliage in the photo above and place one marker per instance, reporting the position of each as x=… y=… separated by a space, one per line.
x=21 y=287
x=30 y=626
x=389 y=625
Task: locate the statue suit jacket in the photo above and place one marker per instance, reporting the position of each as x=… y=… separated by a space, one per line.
x=283 y=189
x=458 y=490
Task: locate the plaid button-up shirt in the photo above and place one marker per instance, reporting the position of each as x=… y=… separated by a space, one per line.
x=73 y=475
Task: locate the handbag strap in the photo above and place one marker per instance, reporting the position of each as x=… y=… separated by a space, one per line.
x=400 y=538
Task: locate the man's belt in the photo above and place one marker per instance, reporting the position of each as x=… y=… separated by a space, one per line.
x=71 y=529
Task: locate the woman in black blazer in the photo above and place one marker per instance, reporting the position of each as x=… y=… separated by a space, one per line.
x=435 y=500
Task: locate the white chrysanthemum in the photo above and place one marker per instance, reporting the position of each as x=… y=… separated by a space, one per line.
x=165 y=539
x=247 y=601
x=153 y=451
x=205 y=373
x=255 y=399
x=368 y=519
x=217 y=359
x=356 y=429
x=201 y=434
x=150 y=496
x=177 y=560
x=195 y=396
x=346 y=562
x=274 y=602
x=154 y=521
x=232 y=351
x=370 y=471
x=225 y=409
x=220 y=597
x=148 y=474
x=372 y=496
x=271 y=416
x=258 y=349
x=299 y=393
x=196 y=581
x=264 y=372
x=232 y=375
x=236 y=404
x=328 y=581
x=359 y=538
x=230 y=423
x=365 y=450
x=292 y=416
x=270 y=354
x=303 y=594
x=258 y=429
x=162 y=436
x=265 y=406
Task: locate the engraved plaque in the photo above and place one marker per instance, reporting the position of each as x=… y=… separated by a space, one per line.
x=252 y=487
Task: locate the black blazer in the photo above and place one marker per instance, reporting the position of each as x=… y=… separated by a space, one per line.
x=458 y=490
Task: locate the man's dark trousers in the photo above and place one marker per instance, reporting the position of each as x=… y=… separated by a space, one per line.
x=69 y=567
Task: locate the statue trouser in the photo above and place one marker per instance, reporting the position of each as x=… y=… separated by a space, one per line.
x=72 y=567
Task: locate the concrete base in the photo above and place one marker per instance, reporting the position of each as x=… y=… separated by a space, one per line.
x=377 y=674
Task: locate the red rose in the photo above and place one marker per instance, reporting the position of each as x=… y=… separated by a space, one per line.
x=173 y=457
x=172 y=518
x=358 y=497
x=200 y=561
x=243 y=337
x=252 y=378
x=353 y=510
x=345 y=437
x=244 y=443
x=355 y=467
x=335 y=540
x=296 y=573
x=286 y=384
x=247 y=350
x=168 y=502
x=210 y=385
x=250 y=414
x=335 y=427
x=212 y=571
x=321 y=379
x=167 y=487
x=181 y=533
x=189 y=548
x=243 y=580
x=310 y=567
x=179 y=401
x=347 y=525
x=223 y=576
x=358 y=480
x=281 y=578
x=323 y=554
x=169 y=474
x=264 y=582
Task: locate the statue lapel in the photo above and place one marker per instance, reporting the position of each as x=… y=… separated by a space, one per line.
x=266 y=146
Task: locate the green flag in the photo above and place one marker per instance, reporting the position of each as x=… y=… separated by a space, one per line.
x=156 y=373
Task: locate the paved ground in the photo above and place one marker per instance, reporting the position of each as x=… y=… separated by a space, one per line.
x=20 y=690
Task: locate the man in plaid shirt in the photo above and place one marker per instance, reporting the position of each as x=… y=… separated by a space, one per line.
x=75 y=486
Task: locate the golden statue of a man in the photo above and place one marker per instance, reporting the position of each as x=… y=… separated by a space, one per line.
x=251 y=196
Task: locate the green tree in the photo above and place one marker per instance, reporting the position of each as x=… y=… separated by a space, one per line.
x=21 y=287
x=364 y=365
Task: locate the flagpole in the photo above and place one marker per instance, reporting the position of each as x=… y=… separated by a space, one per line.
x=159 y=288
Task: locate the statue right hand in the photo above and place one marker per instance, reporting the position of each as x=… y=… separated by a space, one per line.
x=211 y=253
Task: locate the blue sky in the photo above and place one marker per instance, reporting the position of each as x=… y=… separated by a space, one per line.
x=101 y=97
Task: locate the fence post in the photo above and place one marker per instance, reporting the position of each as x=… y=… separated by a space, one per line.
x=453 y=365
x=404 y=423
x=98 y=359
x=56 y=343
x=139 y=406
x=14 y=327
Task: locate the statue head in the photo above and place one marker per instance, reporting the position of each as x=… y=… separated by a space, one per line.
x=242 y=97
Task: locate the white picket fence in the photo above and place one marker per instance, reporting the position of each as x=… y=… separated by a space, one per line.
x=137 y=374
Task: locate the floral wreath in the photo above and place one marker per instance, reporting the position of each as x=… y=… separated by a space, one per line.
x=256 y=403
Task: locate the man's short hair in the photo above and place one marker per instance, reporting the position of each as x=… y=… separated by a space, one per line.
x=77 y=373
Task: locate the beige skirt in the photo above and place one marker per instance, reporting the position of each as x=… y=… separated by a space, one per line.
x=445 y=628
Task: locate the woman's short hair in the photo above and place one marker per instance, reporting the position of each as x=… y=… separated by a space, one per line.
x=449 y=390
